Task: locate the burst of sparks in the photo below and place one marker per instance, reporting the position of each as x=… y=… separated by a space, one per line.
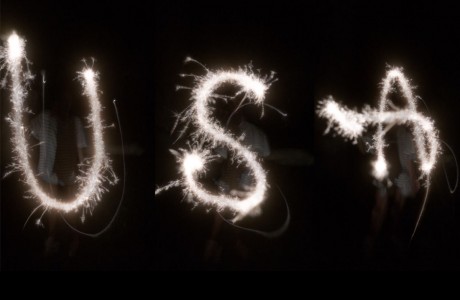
x=193 y=163
x=351 y=124
x=91 y=182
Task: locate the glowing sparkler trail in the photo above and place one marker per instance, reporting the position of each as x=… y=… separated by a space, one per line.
x=253 y=88
x=351 y=124
x=99 y=172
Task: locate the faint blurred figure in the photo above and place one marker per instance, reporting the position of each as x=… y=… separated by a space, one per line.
x=235 y=181
x=390 y=218
x=62 y=141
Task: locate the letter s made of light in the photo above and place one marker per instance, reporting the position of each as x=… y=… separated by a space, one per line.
x=252 y=88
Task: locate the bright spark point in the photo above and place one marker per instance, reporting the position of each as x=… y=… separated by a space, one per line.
x=15 y=47
x=427 y=167
x=91 y=183
x=350 y=124
x=253 y=89
x=88 y=74
x=380 y=169
x=192 y=163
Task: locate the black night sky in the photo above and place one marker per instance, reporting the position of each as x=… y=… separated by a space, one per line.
x=317 y=49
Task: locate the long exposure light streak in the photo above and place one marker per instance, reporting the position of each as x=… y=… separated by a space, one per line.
x=351 y=124
x=193 y=162
x=93 y=177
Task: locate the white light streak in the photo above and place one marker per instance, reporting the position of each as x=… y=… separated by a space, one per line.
x=192 y=163
x=351 y=124
x=99 y=172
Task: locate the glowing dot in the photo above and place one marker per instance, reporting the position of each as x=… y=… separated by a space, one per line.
x=257 y=87
x=380 y=169
x=426 y=167
x=88 y=74
x=15 y=47
x=193 y=162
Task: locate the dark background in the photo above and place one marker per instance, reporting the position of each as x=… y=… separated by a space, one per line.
x=318 y=49
x=58 y=36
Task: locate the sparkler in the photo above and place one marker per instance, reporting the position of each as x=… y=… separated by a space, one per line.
x=91 y=182
x=209 y=132
x=351 y=124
